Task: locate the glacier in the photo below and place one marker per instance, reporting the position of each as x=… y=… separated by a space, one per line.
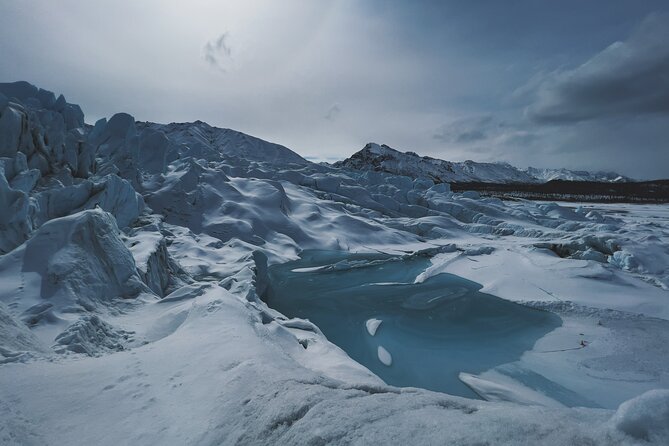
x=137 y=262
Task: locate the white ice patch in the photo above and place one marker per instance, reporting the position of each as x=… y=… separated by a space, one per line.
x=373 y=325
x=505 y=389
x=387 y=283
x=440 y=264
x=384 y=356
x=310 y=269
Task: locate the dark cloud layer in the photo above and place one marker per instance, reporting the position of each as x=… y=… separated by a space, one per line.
x=217 y=52
x=629 y=78
x=333 y=112
x=466 y=130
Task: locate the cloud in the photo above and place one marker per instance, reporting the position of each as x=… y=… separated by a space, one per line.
x=218 y=52
x=466 y=130
x=333 y=112
x=286 y=64
x=485 y=129
x=629 y=78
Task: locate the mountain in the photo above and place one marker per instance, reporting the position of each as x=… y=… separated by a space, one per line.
x=381 y=158
x=545 y=175
x=199 y=139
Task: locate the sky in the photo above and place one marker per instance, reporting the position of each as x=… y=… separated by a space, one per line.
x=570 y=83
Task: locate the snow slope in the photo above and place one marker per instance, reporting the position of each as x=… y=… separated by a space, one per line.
x=133 y=255
x=381 y=158
x=201 y=140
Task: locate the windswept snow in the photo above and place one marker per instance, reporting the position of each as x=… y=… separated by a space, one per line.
x=645 y=417
x=133 y=257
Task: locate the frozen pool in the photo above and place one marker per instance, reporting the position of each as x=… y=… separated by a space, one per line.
x=419 y=335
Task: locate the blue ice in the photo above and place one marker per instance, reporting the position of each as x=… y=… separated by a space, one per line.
x=428 y=332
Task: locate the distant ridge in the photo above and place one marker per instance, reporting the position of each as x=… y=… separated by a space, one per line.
x=382 y=158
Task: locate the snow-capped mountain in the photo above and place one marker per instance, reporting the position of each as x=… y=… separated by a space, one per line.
x=136 y=261
x=544 y=175
x=381 y=158
x=199 y=139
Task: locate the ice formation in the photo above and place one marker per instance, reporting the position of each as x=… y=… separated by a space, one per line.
x=372 y=325
x=133 y=258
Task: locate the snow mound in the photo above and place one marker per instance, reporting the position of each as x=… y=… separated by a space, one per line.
x=91 y=336
x=645 y=417
x=156 y=267
x=111 y=193
x=15 y=338
x=78 y=263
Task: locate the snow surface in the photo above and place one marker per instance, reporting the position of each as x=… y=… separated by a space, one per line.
x=133 y=255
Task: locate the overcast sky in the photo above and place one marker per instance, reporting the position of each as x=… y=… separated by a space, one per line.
x=568 y=83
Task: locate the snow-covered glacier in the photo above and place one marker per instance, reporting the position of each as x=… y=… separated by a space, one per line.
x=185 y=284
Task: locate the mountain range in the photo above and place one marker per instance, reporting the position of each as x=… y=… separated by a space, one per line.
x=381 y=158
